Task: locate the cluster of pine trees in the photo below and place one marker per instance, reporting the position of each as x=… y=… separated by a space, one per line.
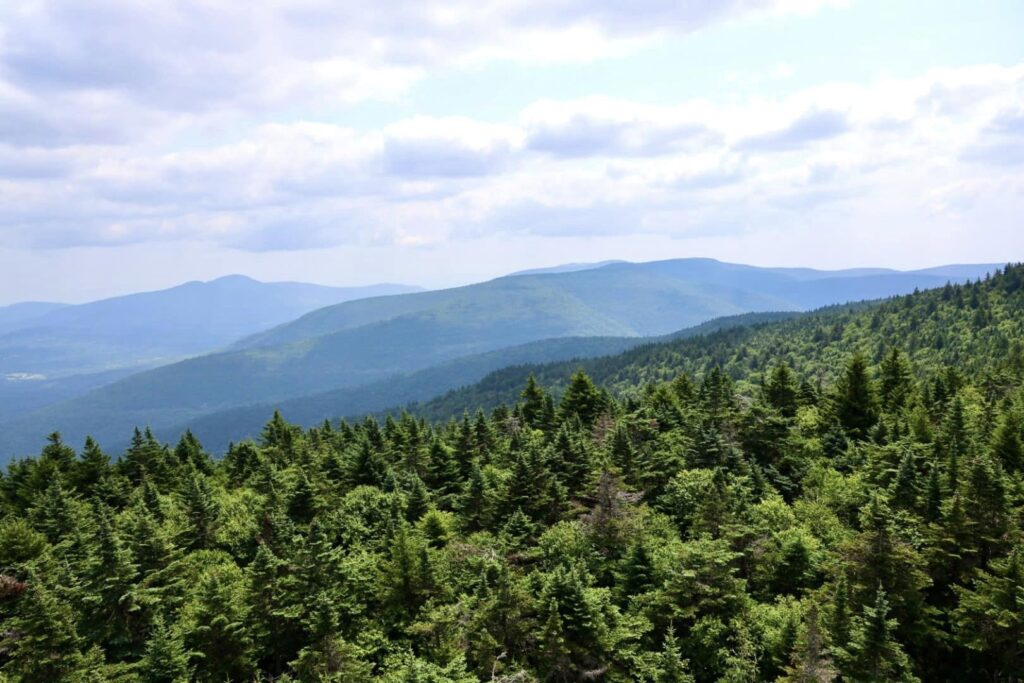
x=768 y=521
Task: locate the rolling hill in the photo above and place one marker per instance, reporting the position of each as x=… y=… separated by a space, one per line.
x=369 y=340
x=932 y=327
x=52 y=352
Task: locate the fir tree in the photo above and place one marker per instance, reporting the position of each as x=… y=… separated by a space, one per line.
x=874 y=653
x=166 y=660
x=856 y=405
x=581 y=400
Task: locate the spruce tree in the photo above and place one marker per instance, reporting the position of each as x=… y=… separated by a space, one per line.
x=581 y=400
x=166 y=660
x=990 y=614
x=856 y=405
x=780 y=391
x=874 y=654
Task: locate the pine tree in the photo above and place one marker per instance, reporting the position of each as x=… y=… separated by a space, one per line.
x=92 y=468
x=189 y=452
x=278 y=433
x=874 y=653
x=895 y=382
x=109 y=582
x=329 y=658
x=954 y=442
x=532 y=403
x=202 y=511
x=1006 y=445
x=581 y=400
x=904 y=488
x=986 y=506
x=302 y=505
x=477 y=501
x=856 y=405
x=990 y=616
x=444 y=473
x=810 y=662
x=166 y=660
x=841 y=622
x=41 y=640
x=367 y=467
x=672 y=668
x=636 y=576
x=780 y=391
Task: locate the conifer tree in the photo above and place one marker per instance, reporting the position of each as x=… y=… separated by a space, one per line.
x=201 y=509
x=672 y=668
x=1006 y=445
x=92 y=467
x=166 y=660
x=990 y=614
x=42 y=642
x=532 y=403
x=856 y=405
x=780 y=391
x=581 y=400
x=895 y=382
x=874 y=654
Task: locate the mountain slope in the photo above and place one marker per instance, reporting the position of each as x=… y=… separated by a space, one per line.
x=140 y=329
x=218 y=429
x=969 y=327
x=368 y=340
x=18 y=315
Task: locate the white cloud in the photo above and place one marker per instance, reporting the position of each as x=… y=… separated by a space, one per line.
x=940 y=145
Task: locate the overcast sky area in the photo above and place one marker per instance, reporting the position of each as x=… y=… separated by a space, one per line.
x=438 y=142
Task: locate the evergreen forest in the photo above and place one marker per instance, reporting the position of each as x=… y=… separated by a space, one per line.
x=833 y=496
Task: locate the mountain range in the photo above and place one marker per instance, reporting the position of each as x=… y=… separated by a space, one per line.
x=357 y=354
x=50 y=351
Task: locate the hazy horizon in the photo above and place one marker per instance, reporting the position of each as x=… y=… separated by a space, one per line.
x=459 y=283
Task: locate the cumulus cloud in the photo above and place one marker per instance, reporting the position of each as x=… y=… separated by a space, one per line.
x=603 y=126
x=179 y=120
x=1000 y=142
x=812 y=126
x=125 y=67
x=624 y=167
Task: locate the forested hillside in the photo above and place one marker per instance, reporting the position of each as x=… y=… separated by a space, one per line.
x=833 y=497
x=53 y=352
x=362 y=342
x=218 y=430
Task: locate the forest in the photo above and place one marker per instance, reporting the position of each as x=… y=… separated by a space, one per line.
x=836 y=496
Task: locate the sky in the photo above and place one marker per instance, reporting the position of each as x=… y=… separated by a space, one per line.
x=439 y=142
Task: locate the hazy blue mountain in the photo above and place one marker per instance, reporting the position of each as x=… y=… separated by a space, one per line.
x=368 y=340
x=566 y=268
x=18 y=315
x=153 y=327
x=216 y=430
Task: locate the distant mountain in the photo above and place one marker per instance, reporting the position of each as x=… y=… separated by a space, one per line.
x=216 y=430
x=150 y=327
x=18 y=315
x=929 y=327
x=365 y=341
x=566 y=268
x=51 y=352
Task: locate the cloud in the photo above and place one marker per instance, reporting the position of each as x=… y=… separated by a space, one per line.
x=451 y=147
x=114 y=71
x=1000 y=142
x=602 y=126
x=812 y=126
x=592 y=166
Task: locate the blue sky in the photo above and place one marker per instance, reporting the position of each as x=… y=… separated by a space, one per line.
x=444 y=142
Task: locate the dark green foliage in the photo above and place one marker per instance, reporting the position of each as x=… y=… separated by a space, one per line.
x=752 y=518
x=855 y=399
